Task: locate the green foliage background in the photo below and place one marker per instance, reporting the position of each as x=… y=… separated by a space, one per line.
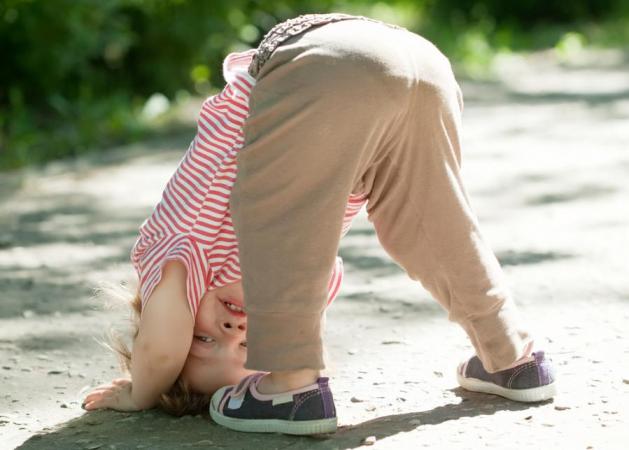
x=75 y=74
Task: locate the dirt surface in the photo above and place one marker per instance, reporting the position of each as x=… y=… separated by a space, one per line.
x=547 y=166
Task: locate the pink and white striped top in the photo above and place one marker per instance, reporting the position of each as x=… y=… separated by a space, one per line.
x=192 y=221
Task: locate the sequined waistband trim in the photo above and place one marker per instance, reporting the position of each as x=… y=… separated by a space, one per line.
x=292 y=27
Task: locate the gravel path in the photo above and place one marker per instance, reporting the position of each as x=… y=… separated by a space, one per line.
x=547 y=166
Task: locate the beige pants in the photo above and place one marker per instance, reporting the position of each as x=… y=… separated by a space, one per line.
x=356 y=106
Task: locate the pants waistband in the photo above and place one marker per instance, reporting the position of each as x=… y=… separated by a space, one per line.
x=292 y=27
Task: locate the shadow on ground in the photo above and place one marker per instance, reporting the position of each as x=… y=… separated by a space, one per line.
x=156 y=430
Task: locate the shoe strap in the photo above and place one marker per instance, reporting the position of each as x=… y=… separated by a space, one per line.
x=244 y=384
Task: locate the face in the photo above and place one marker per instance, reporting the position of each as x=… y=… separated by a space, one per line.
x=218 y=351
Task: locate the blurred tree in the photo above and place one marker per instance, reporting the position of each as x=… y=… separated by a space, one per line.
x=75 y=73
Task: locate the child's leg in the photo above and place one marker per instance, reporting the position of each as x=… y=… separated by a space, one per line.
x=424 y=220
x=317 y=115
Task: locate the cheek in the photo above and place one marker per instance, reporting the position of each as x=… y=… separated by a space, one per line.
x=206 y=314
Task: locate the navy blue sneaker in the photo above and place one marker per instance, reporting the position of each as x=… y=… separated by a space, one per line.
x=309 y=410
x=531 y=381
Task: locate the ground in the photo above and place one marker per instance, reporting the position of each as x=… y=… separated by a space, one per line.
x=547 y=168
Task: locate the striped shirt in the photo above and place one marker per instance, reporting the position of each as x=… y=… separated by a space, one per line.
x=192 y=222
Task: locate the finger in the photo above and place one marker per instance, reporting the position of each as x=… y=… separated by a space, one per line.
x=94 y=396
x=100 y=403
x=102 y=391
x=91 y=406
x=105 y=386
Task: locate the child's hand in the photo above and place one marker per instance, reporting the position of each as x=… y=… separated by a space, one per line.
x=116 y=395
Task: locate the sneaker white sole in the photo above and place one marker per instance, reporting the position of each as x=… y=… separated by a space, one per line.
x=538 y=394
x=306 y=427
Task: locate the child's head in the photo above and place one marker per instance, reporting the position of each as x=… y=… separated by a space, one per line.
x=217 y=354
x=219 y=349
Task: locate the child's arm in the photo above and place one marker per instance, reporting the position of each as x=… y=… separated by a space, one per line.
x=164 y=338
x=159 y=351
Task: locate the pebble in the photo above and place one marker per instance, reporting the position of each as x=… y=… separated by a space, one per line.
x=625 y=380
x=439 y=374
x=356 y=400
x=561 y=408
x=55 y=372
x=63 y=405
x=369 y=440
x=391 y=342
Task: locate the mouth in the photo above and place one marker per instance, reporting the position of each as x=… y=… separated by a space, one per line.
x=234 y=309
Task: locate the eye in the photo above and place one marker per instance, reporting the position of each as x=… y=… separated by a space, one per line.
x=205 y=339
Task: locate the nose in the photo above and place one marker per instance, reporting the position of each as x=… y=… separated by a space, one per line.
x=233 y=327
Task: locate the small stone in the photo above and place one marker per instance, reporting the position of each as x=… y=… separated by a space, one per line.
x=561 y=407
x=63 y=405
x=6 y=367
x=438 y=374
x=351 y=351
x=356 y=400
x=55 y=372
x=369 y=440
x=25 y=369
x=391 y=342
x=625 y=380
x=528 y=417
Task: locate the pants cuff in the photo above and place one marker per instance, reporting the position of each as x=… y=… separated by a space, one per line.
x=499 y=339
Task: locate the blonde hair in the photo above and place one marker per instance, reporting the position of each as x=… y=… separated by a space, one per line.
x=180 y=399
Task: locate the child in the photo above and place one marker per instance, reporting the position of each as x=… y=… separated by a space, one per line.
x=331 y=110
x=357 y=106
x=192 y=226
